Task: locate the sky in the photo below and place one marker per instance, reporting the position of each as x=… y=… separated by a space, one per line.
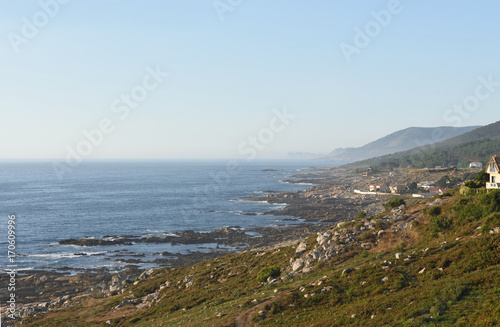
x=165 y=79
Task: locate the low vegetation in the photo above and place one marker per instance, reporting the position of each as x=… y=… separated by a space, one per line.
x=268 y=272
x=442 y=270
x=395 y=202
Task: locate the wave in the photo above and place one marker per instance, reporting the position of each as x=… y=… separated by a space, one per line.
x=280 y=204
x=112 y=238
x=293 y=183
x=63 y=255
x=247 y=201
x=170 y=234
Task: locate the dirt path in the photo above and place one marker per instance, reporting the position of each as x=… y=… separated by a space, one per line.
x=244 y=319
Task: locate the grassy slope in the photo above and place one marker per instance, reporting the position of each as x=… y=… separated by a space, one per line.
x=464 y=292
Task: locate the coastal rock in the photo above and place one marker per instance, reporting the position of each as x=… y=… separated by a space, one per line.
x=165 y=285
x=150 y=298
x=301 y=248
x=297 y=264
x=271 y=280
x=323 y=238
x=114 y=288
x=316 y=254
x=495 y=230
x=145 y=274
x=188 y=281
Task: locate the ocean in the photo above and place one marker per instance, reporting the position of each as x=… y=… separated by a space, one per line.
x=148 y=198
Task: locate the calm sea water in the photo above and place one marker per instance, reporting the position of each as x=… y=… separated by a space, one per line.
x=130 y=198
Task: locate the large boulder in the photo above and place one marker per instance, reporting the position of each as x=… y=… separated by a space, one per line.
x=323 y=238
x=316 y=254
x=297 y=264
x=301 y=248
x=146 y=274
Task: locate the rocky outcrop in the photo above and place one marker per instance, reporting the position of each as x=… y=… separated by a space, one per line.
x=226 y=235
x=360 y=233
x=301 y=249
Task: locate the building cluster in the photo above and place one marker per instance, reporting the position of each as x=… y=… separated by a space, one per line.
x=427 y=188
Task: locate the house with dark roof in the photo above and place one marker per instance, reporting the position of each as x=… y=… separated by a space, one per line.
x=493 y=168
x=378 y=188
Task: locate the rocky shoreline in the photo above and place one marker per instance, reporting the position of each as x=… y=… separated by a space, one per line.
x=322 y=206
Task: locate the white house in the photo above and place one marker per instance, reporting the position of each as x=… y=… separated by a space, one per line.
x=426 y=185
x=476 y=164
x=494 y=171
x=438 y=190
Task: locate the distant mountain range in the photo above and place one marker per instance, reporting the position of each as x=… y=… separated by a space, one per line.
x=304 y=155
x=477 y=145
x=402 y=140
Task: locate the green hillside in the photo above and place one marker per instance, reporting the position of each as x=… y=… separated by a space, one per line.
x=477 y=145
x=398 y=141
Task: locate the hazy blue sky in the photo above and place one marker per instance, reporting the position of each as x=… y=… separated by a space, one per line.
x=65 y=65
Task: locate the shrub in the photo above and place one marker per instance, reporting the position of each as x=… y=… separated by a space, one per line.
x=433 y=211
x=481 y=179
x=470 y=212
x=344 y=225
x=379 y=225
x=492 y=200
x=395 y=202
x=399 y=282
x=441 y=224
x=267 y=272
x=366 y=237
x=493 y=220
x=361 y=214
x=401 y=247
